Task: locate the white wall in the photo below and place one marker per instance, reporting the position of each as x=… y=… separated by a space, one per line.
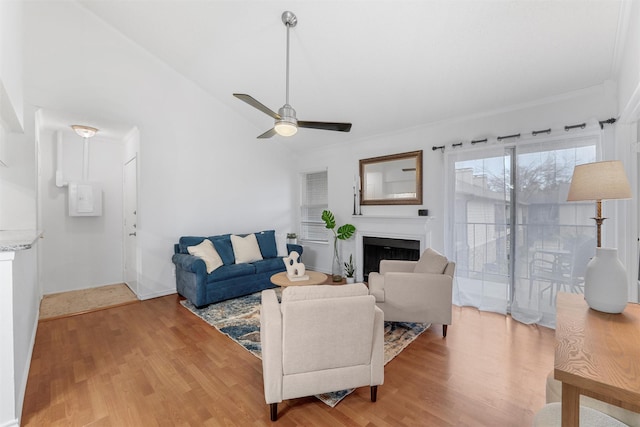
x=11 y=96
x=201 y=169
x=590 y=105
x=627 y=145
x=17 y=180
x=80 y=252
x=629 y=74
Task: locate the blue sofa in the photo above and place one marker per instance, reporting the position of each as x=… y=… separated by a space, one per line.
x=230 y=280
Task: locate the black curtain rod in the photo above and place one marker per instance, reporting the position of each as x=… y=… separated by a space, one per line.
x=581 y=126
x=515 y=135
x=608 y=121
x=538 y=132
x=534 y=133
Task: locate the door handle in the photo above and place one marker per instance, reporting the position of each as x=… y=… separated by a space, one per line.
x=132 y=234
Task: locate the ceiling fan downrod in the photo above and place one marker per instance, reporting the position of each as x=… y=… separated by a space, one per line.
x=288 y=123
x=289 y=20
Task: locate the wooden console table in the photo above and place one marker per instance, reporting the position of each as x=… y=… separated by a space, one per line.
x=597 y=354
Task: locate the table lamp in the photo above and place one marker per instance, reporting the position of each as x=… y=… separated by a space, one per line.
x=605 y=282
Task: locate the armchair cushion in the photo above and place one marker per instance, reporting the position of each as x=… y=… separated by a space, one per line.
x=311 y=324
x=300 y=293
x=431 y=262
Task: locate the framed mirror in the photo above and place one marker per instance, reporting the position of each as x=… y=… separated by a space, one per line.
x=392 y=180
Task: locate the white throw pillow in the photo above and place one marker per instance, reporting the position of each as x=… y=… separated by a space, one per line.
x=207 y=253
x=431 y=262
x=246 y=249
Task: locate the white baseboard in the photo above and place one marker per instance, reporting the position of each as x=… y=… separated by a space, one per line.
x=10 y=423
x=156 y=294
x=25 y=375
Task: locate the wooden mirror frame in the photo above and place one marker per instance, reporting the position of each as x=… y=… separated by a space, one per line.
x=416 y=156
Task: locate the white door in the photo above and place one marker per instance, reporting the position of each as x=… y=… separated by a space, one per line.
x=130 y=225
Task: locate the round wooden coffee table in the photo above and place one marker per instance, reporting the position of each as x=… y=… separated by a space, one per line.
x=315 y=278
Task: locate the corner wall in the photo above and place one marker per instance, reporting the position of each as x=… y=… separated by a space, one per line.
x=201 y=169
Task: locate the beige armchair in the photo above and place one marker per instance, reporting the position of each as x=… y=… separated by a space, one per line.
x=415 y=291
x=318 y=340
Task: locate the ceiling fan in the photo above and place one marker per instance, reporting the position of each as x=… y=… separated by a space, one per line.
x=286 y=123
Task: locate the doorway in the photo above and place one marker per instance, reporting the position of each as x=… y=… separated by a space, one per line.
x=130 y=180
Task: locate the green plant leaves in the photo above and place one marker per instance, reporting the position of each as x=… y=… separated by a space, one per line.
x=346 y=231
x=329 y=219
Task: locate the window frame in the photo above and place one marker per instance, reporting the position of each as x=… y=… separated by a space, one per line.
x=318 y=205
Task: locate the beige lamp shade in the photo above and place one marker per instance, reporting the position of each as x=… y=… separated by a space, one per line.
x=599 y=181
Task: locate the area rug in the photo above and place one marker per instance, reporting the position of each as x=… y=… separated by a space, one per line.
x=239 y=319
x=55 y=306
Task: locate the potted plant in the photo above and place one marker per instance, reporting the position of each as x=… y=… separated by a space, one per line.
x=350 y=269
x=343 y=232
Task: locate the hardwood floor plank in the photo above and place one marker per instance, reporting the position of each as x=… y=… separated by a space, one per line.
x=156 y=364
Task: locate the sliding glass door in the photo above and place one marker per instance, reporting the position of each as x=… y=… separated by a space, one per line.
x=515 y=239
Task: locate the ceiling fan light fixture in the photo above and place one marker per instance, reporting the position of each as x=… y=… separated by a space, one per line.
x=287 y=125
x=84 y=131
x=285 y=128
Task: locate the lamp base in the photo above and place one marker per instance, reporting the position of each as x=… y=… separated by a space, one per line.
x=605 y=282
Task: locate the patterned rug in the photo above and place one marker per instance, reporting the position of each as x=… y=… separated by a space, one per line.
x=239 y=319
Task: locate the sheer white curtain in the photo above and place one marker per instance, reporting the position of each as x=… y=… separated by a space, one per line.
x=478 y=186
x=515 y=239
x=554 y=239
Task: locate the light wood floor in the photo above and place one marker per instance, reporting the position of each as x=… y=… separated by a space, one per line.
x=156 y=364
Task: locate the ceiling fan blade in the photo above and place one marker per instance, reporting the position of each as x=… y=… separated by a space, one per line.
x=340 y=127
x=256 y=104
x=268 y=134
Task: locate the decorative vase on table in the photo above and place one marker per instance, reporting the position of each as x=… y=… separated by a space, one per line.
x=336 y=265
x=344 y=232
x=605 y=287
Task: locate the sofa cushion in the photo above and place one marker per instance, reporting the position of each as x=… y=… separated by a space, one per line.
x=222 y=243
x=207 y=253
x=270 y=264
x=186 y=241
x=231 y=272
x=431 y=262
x=245 y=249
x=267 y=243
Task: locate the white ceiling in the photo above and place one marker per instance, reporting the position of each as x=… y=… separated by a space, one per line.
x=382 y=65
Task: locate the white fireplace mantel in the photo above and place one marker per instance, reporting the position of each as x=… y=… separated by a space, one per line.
x=393 y=227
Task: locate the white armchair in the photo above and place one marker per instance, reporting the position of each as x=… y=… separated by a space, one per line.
x=415 y=291
x=318 y=340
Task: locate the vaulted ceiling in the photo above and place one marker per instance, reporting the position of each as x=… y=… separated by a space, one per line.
x=382 y=65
